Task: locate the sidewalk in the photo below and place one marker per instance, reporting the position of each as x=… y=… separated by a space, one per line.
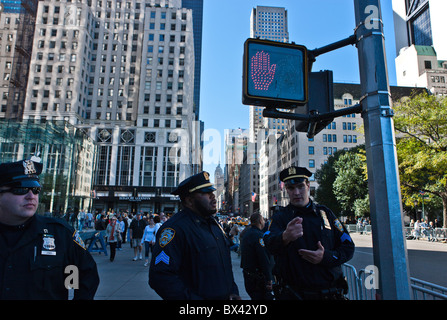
x=125 y=279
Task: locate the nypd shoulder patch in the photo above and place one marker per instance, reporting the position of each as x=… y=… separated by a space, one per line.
x=166 y=236
x=78 y=240
x=338 y=225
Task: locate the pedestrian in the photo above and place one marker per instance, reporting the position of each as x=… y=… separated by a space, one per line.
x=81 y=220
x=309 y=244
x=149 y=238
x=122 y=228
x=191 y=257
x=136 y=230
x=113 y=231
x=89 y=220
x=36 y=250
x=256 y=262
x=126 y=225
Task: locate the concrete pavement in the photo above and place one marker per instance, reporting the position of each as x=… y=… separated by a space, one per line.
x=125 y=279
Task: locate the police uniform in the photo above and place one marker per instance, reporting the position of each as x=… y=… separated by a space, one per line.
x=298 y=278
x=42 y=257
x=256 y=264
x=191 y=257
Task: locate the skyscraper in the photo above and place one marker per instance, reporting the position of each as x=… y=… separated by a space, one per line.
x=122 y=72
x=418 y=22
x=421 y=49
x=197 y=20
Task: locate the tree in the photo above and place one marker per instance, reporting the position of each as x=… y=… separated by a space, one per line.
x=351 y=184
x=342 y=182
x=421 y=125
x=325 y=177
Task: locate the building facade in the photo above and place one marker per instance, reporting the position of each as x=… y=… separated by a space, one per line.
x=122 y=72
x=421 y=49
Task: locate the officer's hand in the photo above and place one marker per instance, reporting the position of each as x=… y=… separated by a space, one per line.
x=293 y=231
x=314 y=257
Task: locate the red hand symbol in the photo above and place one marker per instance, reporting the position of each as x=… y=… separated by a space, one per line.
x=262 y=73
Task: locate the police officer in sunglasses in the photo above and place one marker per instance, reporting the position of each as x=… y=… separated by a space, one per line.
x=40 y=257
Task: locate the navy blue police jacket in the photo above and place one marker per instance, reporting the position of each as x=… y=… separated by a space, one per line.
x=34 y=258
x=191 y=259
x=319 y=224
x=254 y=255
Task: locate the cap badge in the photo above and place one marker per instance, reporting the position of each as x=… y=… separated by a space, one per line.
x=206 y=175
x=292 y=171
x=29 y=167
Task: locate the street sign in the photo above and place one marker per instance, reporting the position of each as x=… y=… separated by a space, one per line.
x=275 y=74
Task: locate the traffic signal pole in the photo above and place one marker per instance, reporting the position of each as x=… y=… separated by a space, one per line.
x=389 y=247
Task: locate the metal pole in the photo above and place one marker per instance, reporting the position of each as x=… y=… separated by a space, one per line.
x=389 y=247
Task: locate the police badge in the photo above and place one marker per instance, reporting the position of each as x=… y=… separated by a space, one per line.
x=28 y=165
x=49 y=245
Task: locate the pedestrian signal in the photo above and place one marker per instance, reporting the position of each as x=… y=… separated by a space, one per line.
x=275 y=74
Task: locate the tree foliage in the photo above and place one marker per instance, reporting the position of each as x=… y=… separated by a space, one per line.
x=342 y=183
x=421 y=126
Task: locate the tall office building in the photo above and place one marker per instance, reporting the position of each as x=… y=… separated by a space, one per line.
x=197 y=21
x=268 y=23
x=122 y=72
x=17 y=24
x=421 y=48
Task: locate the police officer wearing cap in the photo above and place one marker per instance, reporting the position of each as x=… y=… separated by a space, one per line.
x=309 y=244
x=191 y=257
x=36 y=250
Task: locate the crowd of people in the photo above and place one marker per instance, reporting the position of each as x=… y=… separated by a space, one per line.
x=139 y=230
x=421 y=229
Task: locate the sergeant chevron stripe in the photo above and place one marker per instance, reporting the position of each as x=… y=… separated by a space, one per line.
x=162 y=257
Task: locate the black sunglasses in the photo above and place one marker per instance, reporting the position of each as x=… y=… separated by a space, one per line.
x=20 y=191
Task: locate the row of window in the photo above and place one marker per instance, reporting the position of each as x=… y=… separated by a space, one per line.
x=326 y=150
x=346 y=138
x=158 y=123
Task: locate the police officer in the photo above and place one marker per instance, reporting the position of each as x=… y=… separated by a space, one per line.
x=40 y=257
x=256 y=262
x=191 y=257
x=309 y=244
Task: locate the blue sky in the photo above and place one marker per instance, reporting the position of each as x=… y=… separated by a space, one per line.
x=312 y=23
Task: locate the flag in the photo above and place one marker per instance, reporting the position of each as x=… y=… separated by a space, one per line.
x=253 y=196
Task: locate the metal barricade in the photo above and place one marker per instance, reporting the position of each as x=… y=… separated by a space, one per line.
x=352 y=279
x=421 y=290
x=430 y=234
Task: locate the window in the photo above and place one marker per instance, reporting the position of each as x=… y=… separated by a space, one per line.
x=311 y=150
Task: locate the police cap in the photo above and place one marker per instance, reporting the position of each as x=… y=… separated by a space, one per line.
x=294 y=175
x=196 y=183
x=24 y=173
